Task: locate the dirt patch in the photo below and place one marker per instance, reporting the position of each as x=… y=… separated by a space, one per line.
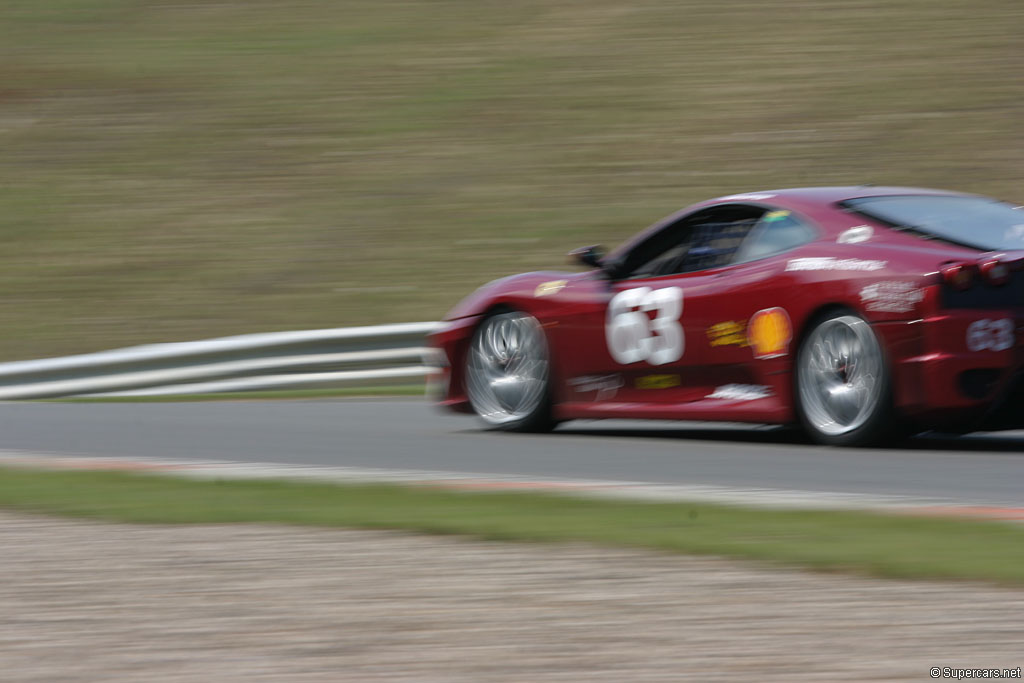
x=85 y=601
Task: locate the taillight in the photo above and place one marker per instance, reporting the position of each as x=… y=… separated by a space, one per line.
x=994 y=272
x=958 y=275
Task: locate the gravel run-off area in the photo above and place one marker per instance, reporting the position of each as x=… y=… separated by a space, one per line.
x=89 y=601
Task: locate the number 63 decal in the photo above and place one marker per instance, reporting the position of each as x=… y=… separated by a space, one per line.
x=633 y=336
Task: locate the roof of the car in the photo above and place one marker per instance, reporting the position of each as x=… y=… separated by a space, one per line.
x=815 y=202
x=827 y=195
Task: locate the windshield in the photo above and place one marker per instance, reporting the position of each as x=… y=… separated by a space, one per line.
x=977 y=222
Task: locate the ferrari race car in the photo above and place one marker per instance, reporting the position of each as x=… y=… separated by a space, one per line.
x=858 y=313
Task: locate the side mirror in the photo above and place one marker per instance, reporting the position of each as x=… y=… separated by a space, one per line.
x=588 y=256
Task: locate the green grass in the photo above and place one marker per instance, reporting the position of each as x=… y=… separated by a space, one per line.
x=873 y=544
x=177 y=171
x=340 y=392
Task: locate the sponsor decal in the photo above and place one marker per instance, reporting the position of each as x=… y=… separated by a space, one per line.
x=632 y=336
x=548 y=288
x=606 y=386
x=856 y=234
x=990 y=335
x=728 y=333
x=832 y=263
x=657 y=382
x=772 y=216
x=769 y=333
x=891 y=296
x=750 y=197
x=741 y=392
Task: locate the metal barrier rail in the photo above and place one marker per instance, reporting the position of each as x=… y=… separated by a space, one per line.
x=345 y=356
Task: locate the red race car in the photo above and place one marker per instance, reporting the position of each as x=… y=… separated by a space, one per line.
x=857 y=312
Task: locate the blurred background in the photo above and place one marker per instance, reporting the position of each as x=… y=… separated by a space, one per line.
x=180 y=170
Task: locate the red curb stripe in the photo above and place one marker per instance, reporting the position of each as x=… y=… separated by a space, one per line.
x=978 y=511
x=244 y=471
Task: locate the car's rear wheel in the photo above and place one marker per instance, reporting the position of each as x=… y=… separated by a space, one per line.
x=507 y=373
x=842 y=383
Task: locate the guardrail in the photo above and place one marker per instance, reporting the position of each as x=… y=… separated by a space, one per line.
x=346 y=356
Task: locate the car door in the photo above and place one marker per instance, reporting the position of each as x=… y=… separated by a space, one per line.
x=688 y=322
x=632 y=333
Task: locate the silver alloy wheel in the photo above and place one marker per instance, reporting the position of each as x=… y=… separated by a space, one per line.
x=507 y=368
x=841 y=375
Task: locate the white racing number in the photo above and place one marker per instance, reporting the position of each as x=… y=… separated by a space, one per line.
x=990 y=335
x=633 y=336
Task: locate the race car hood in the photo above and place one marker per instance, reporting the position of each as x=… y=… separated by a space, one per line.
x=510 y=289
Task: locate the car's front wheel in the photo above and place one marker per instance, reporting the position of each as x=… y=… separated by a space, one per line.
x=507 y=373
x=842 y=383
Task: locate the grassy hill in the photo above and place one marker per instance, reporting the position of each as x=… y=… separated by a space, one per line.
x=175 y=170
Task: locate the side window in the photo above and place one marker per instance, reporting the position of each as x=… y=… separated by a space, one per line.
x=667 y=262
x=706 y=239
x=715 y=243
x=776 y=232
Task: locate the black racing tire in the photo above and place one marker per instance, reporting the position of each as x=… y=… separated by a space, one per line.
x=842 y=383
x=508 y=373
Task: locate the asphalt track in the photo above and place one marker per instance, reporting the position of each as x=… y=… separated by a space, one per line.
x=407 y=434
